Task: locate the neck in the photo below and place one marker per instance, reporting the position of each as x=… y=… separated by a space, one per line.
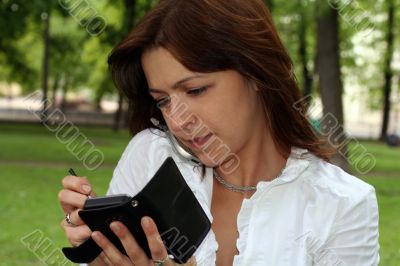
x=259 y=160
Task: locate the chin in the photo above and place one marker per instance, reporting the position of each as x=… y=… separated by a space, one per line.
x=212 y=161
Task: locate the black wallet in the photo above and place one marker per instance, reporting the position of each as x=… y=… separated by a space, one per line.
x=167 y=199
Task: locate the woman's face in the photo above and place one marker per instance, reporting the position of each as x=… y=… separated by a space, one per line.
x=212 y=114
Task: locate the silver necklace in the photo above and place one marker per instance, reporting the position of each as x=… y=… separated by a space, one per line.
x=235 y=188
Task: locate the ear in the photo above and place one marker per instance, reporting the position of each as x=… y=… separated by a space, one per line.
x=252 y=85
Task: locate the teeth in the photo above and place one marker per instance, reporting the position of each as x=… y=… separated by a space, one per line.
x=200 y=139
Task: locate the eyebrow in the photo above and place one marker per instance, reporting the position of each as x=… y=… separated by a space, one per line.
x=178 y=84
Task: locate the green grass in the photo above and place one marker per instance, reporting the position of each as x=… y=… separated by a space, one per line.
x=35 y=143
x=387 y=158
x=33 y=162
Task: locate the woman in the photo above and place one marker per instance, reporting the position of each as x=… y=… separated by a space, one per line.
x=216 y=74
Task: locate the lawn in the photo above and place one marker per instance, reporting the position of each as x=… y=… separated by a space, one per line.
x=33 y=162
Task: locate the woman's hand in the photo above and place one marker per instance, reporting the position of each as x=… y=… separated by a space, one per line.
x=72 y=198
x=135 y=254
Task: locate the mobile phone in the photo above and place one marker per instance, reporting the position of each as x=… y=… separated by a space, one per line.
x=180 y=150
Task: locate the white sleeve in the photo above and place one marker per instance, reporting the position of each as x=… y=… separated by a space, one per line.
x=354 y=236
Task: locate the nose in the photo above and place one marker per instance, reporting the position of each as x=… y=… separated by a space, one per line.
x=180 y=118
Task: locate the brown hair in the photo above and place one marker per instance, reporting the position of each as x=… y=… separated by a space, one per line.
x=216 y=35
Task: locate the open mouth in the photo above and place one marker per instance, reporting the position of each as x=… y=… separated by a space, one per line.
x=200 y=141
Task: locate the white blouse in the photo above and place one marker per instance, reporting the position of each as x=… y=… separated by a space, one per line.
x=313 y=214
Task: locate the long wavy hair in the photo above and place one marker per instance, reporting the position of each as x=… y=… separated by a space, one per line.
x=215 y=35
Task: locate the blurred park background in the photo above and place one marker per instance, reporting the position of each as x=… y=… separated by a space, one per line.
x=60 y=109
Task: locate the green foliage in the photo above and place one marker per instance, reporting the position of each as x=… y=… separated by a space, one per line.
x=23 y=18
x=287 y=16
x=15 y=15
x=81 y=58
x=362 y=40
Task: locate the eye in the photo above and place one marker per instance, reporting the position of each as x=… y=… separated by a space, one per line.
x=163 y=102
x=197 y=91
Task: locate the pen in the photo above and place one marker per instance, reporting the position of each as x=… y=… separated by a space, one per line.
x=72 y=172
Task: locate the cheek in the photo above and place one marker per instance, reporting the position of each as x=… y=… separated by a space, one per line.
x=237 y=116
x=235 y=122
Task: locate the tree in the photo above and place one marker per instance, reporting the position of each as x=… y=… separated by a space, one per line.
x=133 y=10
x=330 y=83
x=69 y=68
x=16 y=15
x=388 y=73
x=29 y=21
x=46 y=58
x=302 y=33
x=129 y=18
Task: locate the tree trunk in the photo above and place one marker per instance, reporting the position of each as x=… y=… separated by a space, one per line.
x=307 y=77
x=64 y=95
x=45 y=73
x=98 y=99
x=330 y=83
x=129 y=18
x=54 y=93
x=388 y=70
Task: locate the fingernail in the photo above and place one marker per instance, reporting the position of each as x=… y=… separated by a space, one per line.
x=95 y=236
x=146 y=221
x=86 y=188
x=114 y=227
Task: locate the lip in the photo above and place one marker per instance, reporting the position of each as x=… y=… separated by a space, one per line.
x=200 y=141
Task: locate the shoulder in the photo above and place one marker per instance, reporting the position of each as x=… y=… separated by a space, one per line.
x=330 y=180
x=322 y=191
x=151 y=147
x=146 y=151
x=143 y=155
x=346 y=213
x=144 y=141
x=337 y=201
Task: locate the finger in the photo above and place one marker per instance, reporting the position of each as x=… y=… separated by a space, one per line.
x=105 y=259
x=77 y=184
x=156 y=245
x=71 y=200
x=92 y=194
x=112 y=253
x=134 y=251
x=76 y=235
x=75 y=218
